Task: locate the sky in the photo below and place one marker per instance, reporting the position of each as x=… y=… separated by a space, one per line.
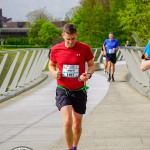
x=18 y=9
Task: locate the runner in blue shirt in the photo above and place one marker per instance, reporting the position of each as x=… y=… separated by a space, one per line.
x=110 y=47
x=145 y=64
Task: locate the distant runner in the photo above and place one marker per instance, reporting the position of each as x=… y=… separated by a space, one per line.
x=110 y=47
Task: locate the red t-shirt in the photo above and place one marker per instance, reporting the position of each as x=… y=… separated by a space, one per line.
x=71 y=63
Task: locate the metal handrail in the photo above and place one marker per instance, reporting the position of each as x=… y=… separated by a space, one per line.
x=132 y=56
x=20 y=68
x=24 y=67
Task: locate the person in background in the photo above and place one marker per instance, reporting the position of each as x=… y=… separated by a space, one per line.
x=104 y=61
x=127 y=43
x=145 y=64
x=110 y=47
x=70 y=57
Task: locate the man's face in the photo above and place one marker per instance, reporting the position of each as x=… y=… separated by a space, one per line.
x=111 y=36
x=69 y=39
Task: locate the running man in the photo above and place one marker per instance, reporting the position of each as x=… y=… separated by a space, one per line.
x=110 y=47
x=67 y=65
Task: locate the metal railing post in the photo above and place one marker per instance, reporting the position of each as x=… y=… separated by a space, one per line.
x=33 y=68
x=24 y=76
x=3 y=62
x=8 y=76
x=17 y=76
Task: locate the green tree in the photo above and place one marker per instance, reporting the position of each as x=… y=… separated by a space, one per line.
x=113 y=25
x=34 y=30
x=96 y=18
x=89 y=19
x=48 y=33
x=135 y=17
x=43 y=32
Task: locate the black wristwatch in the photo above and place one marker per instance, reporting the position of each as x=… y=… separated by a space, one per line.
x=90 y=75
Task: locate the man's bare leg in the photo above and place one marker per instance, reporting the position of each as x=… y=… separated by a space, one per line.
x=77 y=127
x=112 y=71
x=109 y=71
x=66 y=112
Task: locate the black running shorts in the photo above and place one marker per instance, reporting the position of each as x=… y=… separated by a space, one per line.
x=77 y=99
x=111 y=57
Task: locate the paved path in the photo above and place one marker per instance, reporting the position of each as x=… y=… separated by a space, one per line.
x=118 y=117
x=32 y=119
x=120 y=122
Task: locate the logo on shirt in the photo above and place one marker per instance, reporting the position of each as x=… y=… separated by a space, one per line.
x=78 y=54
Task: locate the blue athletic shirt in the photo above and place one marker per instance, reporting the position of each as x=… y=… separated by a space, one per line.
x=147 y=51
x=110 y=44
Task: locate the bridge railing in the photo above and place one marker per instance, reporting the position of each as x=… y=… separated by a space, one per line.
x=21 y=69
x=98 y=57
x=139 y=79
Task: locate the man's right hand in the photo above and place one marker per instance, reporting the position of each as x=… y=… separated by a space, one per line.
x=57 y=74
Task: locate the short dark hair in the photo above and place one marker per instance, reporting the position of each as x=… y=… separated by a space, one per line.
x=111 y=33
x=69 y=28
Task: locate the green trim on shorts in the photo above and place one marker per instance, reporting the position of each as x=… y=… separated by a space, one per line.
x=84 y=89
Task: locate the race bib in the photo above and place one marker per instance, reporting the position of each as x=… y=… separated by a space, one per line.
x=111 y=51
x=70 y=71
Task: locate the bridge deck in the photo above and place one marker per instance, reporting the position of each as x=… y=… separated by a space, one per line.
x=117 y=117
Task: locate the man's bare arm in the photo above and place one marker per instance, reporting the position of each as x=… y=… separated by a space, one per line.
x=145 y=65
x=91 y=67
x=54 y=70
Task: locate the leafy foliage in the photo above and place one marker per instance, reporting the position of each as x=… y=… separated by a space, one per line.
x=89 y=19
x=16 y=41
x=34 y=30
x=96 y=18
x=48 y=33
x=43 y=33
x=135 y=17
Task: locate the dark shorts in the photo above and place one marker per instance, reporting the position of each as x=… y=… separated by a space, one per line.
x=77 y=99
x=111 y=57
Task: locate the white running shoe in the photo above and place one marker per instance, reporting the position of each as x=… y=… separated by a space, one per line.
x=105 y=72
